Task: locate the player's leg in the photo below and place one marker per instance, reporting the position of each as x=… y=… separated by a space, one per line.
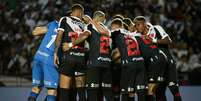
x=80 y=80
x=64 y=87
x=160 y=92
x=107 y=84
x=116 y=75
x=73 y=90
x=131 y=96
x=51 y=81
x=37 y=80
x=128 y=75
x=152 y=78
x=34 y=93
x=153 y=75
x=93 y=84
x=66 y=73
x=141 y=82
x=173 y=81
x=162 y=83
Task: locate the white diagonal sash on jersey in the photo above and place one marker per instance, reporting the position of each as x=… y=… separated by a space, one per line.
x=151 y=33
x=74 y=27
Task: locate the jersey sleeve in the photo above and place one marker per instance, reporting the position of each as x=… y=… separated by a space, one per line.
x=113 y=37
x=161 y=31
x=87 y=28
x=62 y=24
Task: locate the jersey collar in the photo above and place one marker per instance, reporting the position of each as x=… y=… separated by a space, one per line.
x=76 y=18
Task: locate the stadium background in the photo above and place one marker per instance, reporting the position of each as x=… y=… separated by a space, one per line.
x=180 y=18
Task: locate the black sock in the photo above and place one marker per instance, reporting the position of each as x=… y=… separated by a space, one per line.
x=124 y=97
x=175 y=92
x=81 y=94
x=131 y=98
x=150 y=97
x=160 y=92
x=141 y=95
x=64 y=94
x=73 y=94
x=107 y=93
x=93 y=95
x=116 y=97
x=33 y=96
x=116 y=93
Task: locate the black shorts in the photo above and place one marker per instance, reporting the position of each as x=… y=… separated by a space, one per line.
x=71 y=68
x=171 y=77
x=171 y=73
x=157 y=65
x=116 y=75
x=133 y=77
x=99 y=77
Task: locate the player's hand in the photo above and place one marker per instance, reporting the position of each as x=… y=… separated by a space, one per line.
x=87 y=19
x=65 y=46
x=56 y=60
x=146 y=37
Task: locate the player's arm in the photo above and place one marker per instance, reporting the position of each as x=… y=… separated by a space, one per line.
x=166 y=40
x=39 y=30
x=57 y=44
x=58 y=39
x=165 y=37
x=100 y=28
x=116 y=54
x=81 y=38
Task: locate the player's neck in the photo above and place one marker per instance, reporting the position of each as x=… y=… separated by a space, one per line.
x=75 y=17
x=145 y=31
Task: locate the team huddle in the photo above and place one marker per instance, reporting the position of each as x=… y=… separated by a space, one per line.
x=82 y=59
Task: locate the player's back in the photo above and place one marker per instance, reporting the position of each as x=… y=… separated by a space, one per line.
x=46 y=48
x=128 y=47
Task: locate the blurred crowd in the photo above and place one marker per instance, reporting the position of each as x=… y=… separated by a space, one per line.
x=180 y=18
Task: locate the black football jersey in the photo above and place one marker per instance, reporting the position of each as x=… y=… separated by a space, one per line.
x=72 y=27
x=99 y=48
x=129 y=48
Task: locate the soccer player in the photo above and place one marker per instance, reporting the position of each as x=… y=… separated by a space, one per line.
x=162 y=40
x=155 y=58
x=116 y=68
x=44 y=72
x=99 y=60
x=130 y=25
x=133 y=69
x=73 y=60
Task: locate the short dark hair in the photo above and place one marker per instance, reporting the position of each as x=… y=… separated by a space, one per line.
x=125 y=26
x=139 y=18
x=117 y=21
x=127 y=21
x=118 y=16
x=77 y=7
